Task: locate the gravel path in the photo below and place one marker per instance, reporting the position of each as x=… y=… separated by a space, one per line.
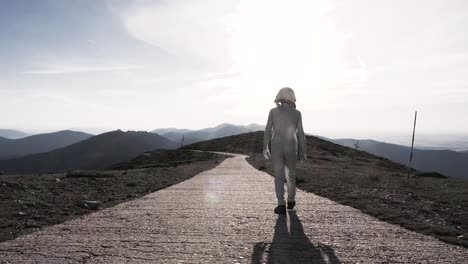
x=225 y=215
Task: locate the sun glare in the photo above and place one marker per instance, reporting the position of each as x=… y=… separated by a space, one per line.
x=294 y=43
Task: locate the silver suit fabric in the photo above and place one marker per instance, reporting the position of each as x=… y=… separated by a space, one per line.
x=284 y=128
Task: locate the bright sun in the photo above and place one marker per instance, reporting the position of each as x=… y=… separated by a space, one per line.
x=287 y=43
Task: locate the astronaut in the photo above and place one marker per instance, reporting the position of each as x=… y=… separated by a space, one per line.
x=288 y=143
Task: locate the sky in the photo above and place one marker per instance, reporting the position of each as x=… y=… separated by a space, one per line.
x=359 y=68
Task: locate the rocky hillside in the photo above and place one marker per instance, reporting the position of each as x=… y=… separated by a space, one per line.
x=165 y=158
x=32 y=201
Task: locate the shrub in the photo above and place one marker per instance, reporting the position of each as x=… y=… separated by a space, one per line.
x=374 y=178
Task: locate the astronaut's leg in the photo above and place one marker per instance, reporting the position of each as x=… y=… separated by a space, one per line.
x=290 y=168
x=278 y=166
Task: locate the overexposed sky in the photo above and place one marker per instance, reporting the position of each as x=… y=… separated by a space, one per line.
x=358 y=67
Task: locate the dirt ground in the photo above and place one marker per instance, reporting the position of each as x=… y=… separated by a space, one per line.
x=29 y=202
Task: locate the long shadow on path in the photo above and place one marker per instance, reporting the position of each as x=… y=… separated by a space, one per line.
x=292 y=246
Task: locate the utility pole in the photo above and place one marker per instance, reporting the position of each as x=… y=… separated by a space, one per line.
x=182 y=143
x=412 y=144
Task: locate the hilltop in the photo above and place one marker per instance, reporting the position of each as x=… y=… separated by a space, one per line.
x=13 y=148
x=372 y=184
x=98 y=152
x=12 y=134
x=192 y=136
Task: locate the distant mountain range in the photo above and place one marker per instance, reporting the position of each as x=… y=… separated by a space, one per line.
x=433 y=141
x=13 y=148
x=65 y=150
x=12 y=134
x=97 y=152
x=192 y=136
x=448 y=162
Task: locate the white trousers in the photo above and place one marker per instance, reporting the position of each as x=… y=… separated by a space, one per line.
x=284 y=159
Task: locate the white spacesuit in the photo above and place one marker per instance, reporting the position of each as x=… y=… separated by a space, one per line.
x=284 y=128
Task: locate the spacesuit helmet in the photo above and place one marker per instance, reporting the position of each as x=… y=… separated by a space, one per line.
x=286 y=95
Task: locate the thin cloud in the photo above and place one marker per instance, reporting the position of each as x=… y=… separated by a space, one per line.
x=198 y=32
x=81 y=69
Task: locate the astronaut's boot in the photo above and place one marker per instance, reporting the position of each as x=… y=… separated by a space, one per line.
x=280 y=209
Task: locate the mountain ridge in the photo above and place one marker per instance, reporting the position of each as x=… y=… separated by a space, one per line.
x=12 y=134
x=448 y=162
x=13 y=148
x=98 y=152
x=192 y=136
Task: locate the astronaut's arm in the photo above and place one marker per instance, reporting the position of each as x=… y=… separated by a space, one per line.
x=301 y=139
x=267 y=136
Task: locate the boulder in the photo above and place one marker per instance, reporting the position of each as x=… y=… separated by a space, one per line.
x=22 y=213
x=92 y=205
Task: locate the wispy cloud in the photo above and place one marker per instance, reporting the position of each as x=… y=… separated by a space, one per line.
x=183 y=29
x=70 y=69
x=120 y=92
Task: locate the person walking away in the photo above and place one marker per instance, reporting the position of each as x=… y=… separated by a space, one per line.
x=288 y=143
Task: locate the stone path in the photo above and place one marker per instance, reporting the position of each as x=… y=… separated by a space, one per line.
x=225 y=215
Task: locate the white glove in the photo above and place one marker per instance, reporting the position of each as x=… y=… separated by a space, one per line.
x=267 y=154
x=302 y=157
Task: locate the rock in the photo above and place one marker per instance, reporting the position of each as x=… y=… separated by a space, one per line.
x=22 y=213
x=2 y=173
x=31 y=224
x=92 y=205
x=131 y=184
x=88 y=174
